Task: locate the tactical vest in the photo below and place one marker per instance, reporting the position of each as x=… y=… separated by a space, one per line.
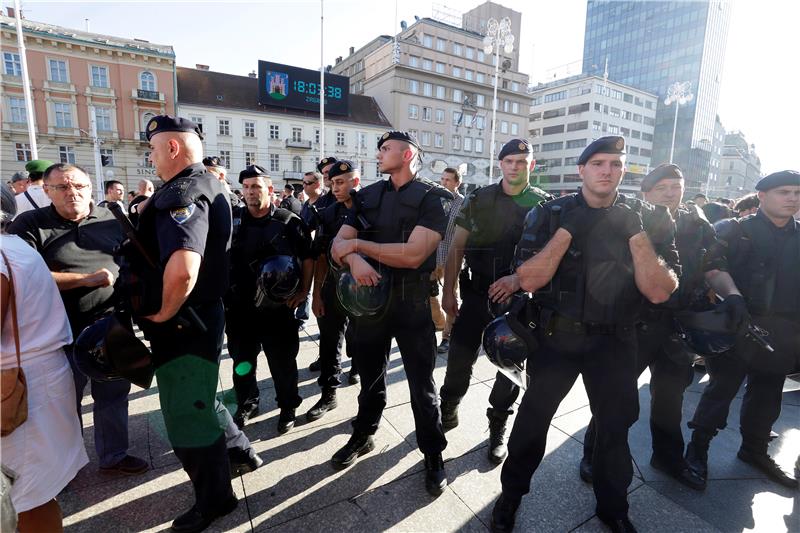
x=383 y=223
x=691 y=229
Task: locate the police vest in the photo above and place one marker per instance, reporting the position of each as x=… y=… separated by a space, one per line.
x=692 y=230
x=383 y=223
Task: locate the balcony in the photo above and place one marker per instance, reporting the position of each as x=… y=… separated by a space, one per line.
x=303 y=145
x=150 y=96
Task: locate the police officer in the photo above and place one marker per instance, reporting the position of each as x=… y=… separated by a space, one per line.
x=659 y=349
x=290 y=201
x=591 y=268
x=331 y=317
x=214 y=165
x=261 y=231
x=487 y=231
x=763 y=253
x=395 y=228
x=186 y=225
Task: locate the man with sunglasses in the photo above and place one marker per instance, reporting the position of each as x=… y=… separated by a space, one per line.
x=77 y=239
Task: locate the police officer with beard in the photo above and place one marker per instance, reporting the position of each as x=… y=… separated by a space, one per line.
x=590 y=264
x=331 y=317
x=763 y=254
x=393 y=231
x=488 y=228
x=261 y=231
x=702 y=264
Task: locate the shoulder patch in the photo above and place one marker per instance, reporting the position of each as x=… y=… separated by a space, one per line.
x=182 y=214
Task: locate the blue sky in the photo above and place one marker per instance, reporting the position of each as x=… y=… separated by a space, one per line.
x=759 y=85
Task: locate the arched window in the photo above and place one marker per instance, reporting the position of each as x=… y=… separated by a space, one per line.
x=147 y=82
x=297 y=164
x=146 y=119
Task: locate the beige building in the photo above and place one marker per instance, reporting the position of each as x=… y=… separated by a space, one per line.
x=126 y=80
x=436 y=82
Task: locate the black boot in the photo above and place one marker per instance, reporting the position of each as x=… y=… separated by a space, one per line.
x=193 y=521
x=618 y=525
x=244 y=413
x=243 y=461
x=286 y=420
x=585 y=469
x=358 y=445
x=504 y=513
x=497 y=435
x=435 y=477
x=759 y=458
x=449 y=415
x=697 y=456
x=326 y=403
x=316 y=366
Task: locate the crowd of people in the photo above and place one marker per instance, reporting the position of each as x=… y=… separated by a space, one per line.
x=594 y=283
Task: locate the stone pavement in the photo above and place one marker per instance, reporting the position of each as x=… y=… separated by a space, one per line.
x=298 y=490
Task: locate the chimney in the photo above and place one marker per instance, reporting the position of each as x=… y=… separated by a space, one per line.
x=198 y=66
x=252 y=74
x=338 y=60
x=352 y=50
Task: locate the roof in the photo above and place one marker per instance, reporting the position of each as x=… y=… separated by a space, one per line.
x=204 y=88
x=79 y=36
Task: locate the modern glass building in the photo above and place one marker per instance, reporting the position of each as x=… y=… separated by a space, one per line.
x=653 y=44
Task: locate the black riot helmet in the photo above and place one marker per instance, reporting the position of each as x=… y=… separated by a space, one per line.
x=278 y=278
x=109 y=350
x=509 y=339
x=706 y=333
x=363 y=300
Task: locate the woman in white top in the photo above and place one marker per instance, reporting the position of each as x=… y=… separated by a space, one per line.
x=47 y=450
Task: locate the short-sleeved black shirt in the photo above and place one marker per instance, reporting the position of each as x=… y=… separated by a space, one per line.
x=66 y=246
x=331 y=220
x=292 y=204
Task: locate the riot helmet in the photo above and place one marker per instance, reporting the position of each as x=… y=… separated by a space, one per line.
x=507 y=342
x=706 y=333
x=278 y=279
x=363 y=300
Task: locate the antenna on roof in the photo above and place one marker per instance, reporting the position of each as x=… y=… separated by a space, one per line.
x=87 y=24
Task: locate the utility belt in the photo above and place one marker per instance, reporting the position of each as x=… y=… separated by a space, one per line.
x=564 y=324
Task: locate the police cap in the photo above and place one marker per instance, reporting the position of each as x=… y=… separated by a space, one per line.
x=398 y=136
x=325 y=161
x=342 y=166
x=665 y=171
x=162 y=123
x=252 y=171
x=778 y=179
x=611 y=144
x=514 y=147
x=213 y=161
x=38 y=166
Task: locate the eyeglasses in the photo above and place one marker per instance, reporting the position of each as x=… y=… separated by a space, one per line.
x=77 y=186
x=310 y=182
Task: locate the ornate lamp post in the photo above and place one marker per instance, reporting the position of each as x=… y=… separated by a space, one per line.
x=681 y=94
x=498 y=34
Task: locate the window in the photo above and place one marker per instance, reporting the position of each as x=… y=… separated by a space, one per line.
x=362 y=140
x=427 y=64
x=470 y=52
x=12 y=64
x=66 y=154
x=576 y=143
x=647 y=137
x=467 y=144
x=506 y=105
x=576 y=126
x=274 y=131
x=515 y=107
x=479 y=146
x=440 y=92
x=636 y=134
x=274 y=163
x=147 y=116
x=515 y=86
x=103 y=117
x=63 y=112
x=438 y=140
x=427 y=89
x=413 y=111
x=480 y=122
x=457 y=118
x=297 y=135
x=23 y=151
x=413 y=61
x=413 y=86
x=480 y=100
x=570 y=161
x=614 y=112
x=223 y=126
x=649 y=121
x=480 y=77
x=481 y=56
x=633 y=150
x=426 y=114
x=58 y=70
x=414 y=133
x=225 y=158
x=612 y=129
x=457 y=49
x=469 y=74
x=637 y=117
x=440 y=116
x=441 y=44
x=595 y=126
x=316 y=135
x=550 y=130
x=426 y=138
x=514 y=128
x=457 y=72
x=427 y=41
x=249 y=128
x=549 y=147
x=340 y=138
x=457 y=96
x=99 y=76
x=297 y=164
x=504 y=126
x=575 y=109
x=107 y=157
x=147 y=82
x=18 y=113
x=455 y=143
x=553 y=97
x=648 y=104
x=440 y=67
x=468 y=118
x=625 y=132
x=146 y=163
x=644 y=152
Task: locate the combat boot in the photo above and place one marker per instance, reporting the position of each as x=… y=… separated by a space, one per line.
x=286 y=420
x=449 y=415
x=697 y=457
x=325 y=404
x=435 y=476
x=504 y=513
x=497 y=435
x=358 y=445
x=245 y=413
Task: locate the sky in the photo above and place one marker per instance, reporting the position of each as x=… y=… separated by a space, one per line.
x=759 y=83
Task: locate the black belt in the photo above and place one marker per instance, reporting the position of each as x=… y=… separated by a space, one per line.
x=651 y=314
x=567 y=325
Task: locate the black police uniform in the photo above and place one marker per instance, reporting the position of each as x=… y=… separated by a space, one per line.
x=290 y=203
x=588 y=311
x=494 y=220
x=273 y=329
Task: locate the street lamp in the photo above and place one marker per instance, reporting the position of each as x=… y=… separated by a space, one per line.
x=497 y=34
x=681 y=94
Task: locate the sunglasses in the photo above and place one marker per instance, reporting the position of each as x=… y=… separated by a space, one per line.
x=310 y=182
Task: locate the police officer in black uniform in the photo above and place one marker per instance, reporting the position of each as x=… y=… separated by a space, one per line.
x=591 y=268
x=702 y=264
x=186 y=225
x=763 y=254
x=488 y=228
x=290 y=201
x=331 y=317
x=214 y=165
x=260 y=231
x=393 y=231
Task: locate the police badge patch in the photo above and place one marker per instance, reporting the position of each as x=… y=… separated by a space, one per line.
x=182 y=214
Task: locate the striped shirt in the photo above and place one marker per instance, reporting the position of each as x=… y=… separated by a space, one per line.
x=444 y=246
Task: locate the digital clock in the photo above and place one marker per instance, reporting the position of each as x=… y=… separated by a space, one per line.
x=299 y=88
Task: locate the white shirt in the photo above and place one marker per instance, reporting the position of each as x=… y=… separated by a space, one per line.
x=43 y=323
x=38 y=195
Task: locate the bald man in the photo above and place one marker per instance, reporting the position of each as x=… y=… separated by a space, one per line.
x=144 y=190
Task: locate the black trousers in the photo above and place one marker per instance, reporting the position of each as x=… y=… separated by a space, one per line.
x=408 y=320
x=465 y=340
x=275 y=331
x=608 y=366
x=333 y=328
x=765 y=373
x=669 y=377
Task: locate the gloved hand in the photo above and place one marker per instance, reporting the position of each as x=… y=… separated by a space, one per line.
x=736 y=309
x=625 y=221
